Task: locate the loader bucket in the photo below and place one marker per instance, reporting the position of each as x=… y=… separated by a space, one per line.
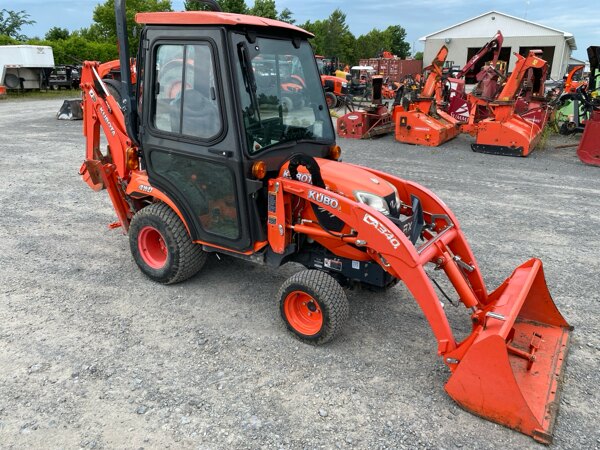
x=70 y=110
x=512 y=372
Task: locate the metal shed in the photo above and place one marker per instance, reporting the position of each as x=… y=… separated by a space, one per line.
x=466 y=38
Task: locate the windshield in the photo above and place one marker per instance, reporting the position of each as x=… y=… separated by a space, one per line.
x=281 y=94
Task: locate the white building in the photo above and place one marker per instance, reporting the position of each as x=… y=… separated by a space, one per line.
x=466 y=38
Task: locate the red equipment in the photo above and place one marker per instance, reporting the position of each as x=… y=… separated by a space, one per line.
x=266 y=186
x=370 y=121
x=588 y=150
x=424 y=123
x=571 y=85
x=459 y=105
x=508 y=133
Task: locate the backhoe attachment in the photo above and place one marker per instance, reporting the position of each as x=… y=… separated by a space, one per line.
x=509 y=369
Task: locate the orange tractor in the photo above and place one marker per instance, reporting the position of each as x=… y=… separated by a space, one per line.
x=202 y=160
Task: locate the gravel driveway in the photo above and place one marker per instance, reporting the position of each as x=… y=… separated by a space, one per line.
x=94 y=355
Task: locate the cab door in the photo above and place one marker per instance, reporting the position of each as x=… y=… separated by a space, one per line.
x=189 y=138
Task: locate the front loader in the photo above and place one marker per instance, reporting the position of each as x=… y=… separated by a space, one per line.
x=200 y=159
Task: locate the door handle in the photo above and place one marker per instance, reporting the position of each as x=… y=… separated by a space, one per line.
x=225 y=153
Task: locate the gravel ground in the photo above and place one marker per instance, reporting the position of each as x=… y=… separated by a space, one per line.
x=94 y=355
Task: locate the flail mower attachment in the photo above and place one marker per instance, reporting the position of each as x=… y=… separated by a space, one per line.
x=509 y=369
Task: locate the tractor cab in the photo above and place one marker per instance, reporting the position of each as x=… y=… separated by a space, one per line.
x=218 y=102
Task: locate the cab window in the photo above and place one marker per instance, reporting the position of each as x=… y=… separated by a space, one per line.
x=186 y=101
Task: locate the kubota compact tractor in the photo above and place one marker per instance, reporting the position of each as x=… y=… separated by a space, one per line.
x=203 y=157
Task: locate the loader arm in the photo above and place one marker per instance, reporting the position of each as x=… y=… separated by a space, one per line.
x=516 y=327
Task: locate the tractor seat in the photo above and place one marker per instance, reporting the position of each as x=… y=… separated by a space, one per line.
x=200 y=115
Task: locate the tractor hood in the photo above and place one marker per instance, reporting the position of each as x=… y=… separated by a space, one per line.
x=345 y=179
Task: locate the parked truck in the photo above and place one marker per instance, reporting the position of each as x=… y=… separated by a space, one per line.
x=25 y=66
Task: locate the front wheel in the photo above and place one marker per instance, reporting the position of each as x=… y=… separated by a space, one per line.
x=162 y=247
x=313 y=306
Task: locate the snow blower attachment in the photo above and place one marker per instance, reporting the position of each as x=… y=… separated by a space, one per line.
x=272 y=191
x=424 y=123
x=509 y=133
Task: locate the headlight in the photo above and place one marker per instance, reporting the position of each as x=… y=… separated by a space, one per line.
x=374 y=201
x=397 y=199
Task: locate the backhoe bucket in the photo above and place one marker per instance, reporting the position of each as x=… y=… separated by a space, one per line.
x=512 y=372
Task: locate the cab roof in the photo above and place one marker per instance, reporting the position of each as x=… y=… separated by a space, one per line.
x=212 y=18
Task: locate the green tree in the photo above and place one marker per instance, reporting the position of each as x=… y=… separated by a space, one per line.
x=264 y=8
x=104 y=26
x=318 y=29
x=234 y=6
x=370 y=45
x=231 y=6
x=76 y=49
x=7 y=40
x=11 y=23
x=396 y=36
x=419 y=55
x=286 y=16
x=57 y=34
x=335 y=39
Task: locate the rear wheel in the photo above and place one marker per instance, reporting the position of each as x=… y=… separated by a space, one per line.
x=313 y=306
x=162 y=247
x=331 y=100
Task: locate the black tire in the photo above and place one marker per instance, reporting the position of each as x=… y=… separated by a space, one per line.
x=326 y=296
x=331 y=100
x=182 y=258
x=113 y=87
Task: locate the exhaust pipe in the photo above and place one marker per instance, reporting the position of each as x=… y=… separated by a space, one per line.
x=127 y=106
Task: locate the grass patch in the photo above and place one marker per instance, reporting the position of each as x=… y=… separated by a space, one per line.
x=40 y=95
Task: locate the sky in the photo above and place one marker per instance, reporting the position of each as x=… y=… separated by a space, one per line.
x=418 y=18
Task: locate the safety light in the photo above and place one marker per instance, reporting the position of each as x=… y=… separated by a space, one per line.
x=131 y=158
x=335 y=151
x=259 y=170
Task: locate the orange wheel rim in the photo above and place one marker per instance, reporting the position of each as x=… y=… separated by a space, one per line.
x=152 y=247
x=303 y=313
